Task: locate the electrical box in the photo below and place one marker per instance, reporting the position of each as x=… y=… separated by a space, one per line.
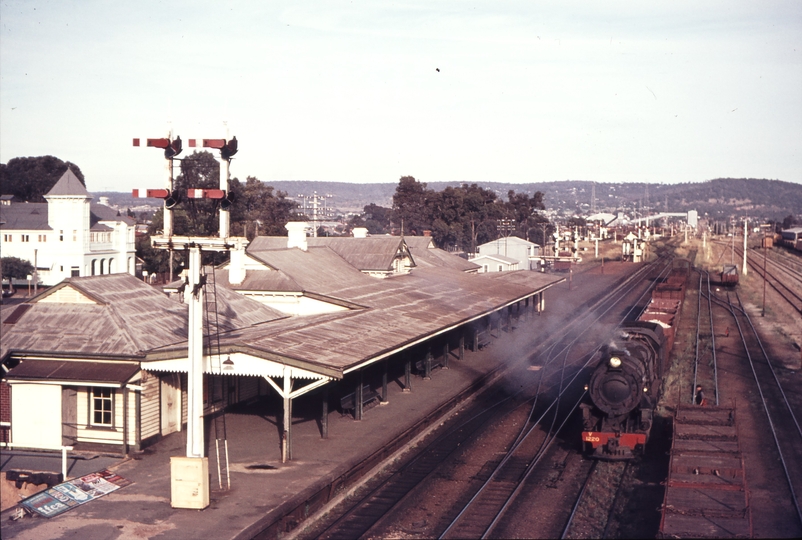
x=189 y=482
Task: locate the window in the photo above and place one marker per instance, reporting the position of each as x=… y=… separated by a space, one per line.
x=74 y=236
x=102 y=407
x=6 y=238
x=61 y=236
x=43 y=238
x=26 y=237
x=500 y=268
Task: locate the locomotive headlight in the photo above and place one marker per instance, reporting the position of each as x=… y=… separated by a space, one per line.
x=615 y=362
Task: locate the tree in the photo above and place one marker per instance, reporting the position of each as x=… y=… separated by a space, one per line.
x=789 y=221
x=409 y=204
x=377 y=219
x=30 y=178
x=200 y=170
x=16 y=268
x=256 y=205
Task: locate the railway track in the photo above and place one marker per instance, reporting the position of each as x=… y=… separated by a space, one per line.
x=779 y=276
x=779 y=414
x=559 y=365
x=705 y=365
x=480 y=516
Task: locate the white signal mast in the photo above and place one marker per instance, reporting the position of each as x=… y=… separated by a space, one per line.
x=195 y=448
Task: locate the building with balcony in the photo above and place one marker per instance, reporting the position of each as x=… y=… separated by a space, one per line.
x=68 y=236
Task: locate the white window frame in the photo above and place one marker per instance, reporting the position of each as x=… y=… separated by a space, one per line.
x=97 y=397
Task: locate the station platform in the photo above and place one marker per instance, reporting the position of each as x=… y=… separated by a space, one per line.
x=268 y=497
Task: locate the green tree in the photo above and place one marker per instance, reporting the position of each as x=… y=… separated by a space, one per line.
x=409 y=206
x=377 y=219
x=30 y=178
x=15 y=268
x=200 y=170
x=258 y=206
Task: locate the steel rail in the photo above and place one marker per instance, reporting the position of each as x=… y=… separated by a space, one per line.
x=776 y=283
x=766 y=407
x=530 y=468
x=528 y=430
x=773 y=372
x=698 y=331
x=712 y=336
x=585 y=485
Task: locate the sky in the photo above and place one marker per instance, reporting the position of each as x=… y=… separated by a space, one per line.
x=369 y=91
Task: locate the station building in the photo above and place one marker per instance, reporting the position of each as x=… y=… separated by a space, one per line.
x=69 y=235
x=100 y=362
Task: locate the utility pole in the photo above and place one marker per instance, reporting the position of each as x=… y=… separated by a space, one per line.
x=746 y=232
x=763 y=312
x=505 y=226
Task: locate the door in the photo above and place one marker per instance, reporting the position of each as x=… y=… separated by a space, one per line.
x=69 y=416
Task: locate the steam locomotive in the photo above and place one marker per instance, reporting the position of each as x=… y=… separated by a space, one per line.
x=625 y=386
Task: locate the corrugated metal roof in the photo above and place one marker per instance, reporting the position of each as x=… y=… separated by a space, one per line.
x=74 y=371
x=130 y=318
x=261 y=280
x=500 y=258
x=68 y=184
x=319 y=269
x=24 y=217
x=33 y=216
x=402 y=310
x=425 y=254
x=101 y=212
x=371 y=253
x=509 y=240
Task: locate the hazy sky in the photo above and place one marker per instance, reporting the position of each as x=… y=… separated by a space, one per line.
x=526 y=91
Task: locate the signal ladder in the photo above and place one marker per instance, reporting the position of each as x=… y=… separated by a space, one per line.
x=217 y=385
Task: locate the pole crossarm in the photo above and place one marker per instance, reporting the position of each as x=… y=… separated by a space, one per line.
x=203 y=242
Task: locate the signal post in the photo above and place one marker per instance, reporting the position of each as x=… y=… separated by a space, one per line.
x=190 y=474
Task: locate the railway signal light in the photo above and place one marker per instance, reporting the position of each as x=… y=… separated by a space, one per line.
x=171 y=148
x=170 y=199
x=194 y=193
x=151 y=193
x=227 y=201
x=227 y=148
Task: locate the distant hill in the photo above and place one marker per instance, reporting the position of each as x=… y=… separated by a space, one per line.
x=719 y=198
x=772 y=199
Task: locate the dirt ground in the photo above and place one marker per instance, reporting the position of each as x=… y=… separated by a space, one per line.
x=11 y=495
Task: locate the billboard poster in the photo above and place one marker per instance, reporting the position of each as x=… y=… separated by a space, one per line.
x=62 y=497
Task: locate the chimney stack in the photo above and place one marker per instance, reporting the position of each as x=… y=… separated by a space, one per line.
x=296 y=234
x=236 y=266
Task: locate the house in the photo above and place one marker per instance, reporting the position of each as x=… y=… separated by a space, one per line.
x=78 y=348
x=513 y=248
x=68 y=236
